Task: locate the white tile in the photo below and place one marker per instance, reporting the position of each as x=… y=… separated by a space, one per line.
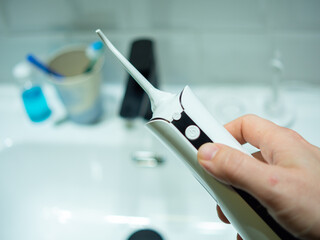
x=3 y=22
x=301 y=56
x=38 y=15
x=108 y=14
x=140 y=14
x=152 y=14
x=294 y=15
x=222 y=15
x=179 y=57
x=307 y=13
x=196 y=41
x=236 y=58
x=34 y=15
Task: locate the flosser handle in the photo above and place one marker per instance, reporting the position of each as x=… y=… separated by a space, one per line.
x=184 y=135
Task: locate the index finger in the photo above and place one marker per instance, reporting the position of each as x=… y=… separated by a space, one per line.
x=252 y=129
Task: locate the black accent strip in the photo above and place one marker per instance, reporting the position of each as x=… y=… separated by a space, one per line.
x=263 y=213
x=180 y=99
x=159 y=118
x=182 y=125
x=184 y=122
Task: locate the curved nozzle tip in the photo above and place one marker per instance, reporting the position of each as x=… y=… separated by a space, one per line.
x=99 y=32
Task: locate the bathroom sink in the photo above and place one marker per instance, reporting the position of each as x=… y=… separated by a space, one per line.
x=75 y=191
x=79 y=182
x=70 y=181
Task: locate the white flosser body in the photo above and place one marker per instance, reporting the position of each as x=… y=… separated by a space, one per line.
x=183 y=124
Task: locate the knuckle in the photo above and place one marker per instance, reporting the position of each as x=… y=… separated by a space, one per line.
x=230 y=165
x=293 y=134
x=235 y=172
x=249 y=117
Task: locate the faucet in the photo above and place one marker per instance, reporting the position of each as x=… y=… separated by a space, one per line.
x=135 y=102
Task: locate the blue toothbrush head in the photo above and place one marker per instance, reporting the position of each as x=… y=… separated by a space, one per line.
x=42 y=66
x=98 y=45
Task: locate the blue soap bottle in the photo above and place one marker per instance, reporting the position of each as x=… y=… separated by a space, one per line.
x=32 y=95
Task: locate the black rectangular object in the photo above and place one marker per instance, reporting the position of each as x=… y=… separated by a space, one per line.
x=136 y=102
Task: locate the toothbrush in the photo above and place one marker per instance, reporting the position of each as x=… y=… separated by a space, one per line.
x=32 y=59
x=93 y=52
x=183 y=124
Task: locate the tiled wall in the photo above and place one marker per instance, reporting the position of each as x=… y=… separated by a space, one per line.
x=198 y=41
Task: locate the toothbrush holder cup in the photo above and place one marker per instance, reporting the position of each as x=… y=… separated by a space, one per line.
x=78 y=89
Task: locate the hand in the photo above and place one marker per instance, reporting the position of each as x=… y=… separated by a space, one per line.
x=284 y=175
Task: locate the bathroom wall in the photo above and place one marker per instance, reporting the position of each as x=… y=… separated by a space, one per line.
x=203 y=41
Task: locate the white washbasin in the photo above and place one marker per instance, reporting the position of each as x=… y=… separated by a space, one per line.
x=97 y=192
x=77 y=182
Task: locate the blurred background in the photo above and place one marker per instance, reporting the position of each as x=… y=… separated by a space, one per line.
x=199 y=42
x=107 y=179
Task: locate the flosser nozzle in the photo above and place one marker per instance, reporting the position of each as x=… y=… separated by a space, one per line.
x=156 y=96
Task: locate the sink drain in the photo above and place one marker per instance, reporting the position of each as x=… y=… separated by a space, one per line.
x=147 y=159
x=145 y=234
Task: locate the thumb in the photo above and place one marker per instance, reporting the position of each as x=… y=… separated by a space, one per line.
x=235 y=167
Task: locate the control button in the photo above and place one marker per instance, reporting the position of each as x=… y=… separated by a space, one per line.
x=192 y=132
x=176 y=116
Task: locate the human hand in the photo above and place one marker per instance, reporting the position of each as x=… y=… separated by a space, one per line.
x=284 y=176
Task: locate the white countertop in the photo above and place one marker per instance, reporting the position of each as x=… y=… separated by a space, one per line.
x=224 y=102
x=69 y=181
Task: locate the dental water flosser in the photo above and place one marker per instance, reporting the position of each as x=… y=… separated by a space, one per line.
x=183 y=124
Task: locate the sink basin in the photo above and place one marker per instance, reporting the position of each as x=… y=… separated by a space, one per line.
x=97 y=192
x=70 y=181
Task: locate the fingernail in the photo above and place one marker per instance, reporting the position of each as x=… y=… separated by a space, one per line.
x=207 y=151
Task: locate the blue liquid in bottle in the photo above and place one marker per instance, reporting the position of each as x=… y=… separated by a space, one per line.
x=35 y=104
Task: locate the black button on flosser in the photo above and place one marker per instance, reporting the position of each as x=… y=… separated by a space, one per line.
x=183 y=123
